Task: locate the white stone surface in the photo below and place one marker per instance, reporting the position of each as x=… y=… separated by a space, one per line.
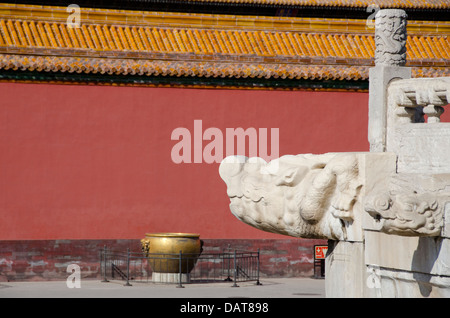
x=309 y=196
x=446 y=227
x=378 y=171
x=428 y=255
x=345 y=269
x=158 y=277
x=379 y=78
x=386 y=213
x=423 y=148
x=393 y=283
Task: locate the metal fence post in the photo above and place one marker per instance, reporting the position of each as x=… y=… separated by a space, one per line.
x=103 y=261
x=235 y=271
x=257 y=270
x=180 y=274
x=128 y=268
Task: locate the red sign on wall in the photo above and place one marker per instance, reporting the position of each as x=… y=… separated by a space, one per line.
x=320 y=251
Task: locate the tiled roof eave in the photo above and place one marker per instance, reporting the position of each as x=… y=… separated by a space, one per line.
x=118 y=66
x=188 y=57
x=178 y=68
x=47 y=44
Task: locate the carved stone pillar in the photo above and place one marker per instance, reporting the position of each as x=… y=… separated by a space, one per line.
x=390 y=37
x=390 y=57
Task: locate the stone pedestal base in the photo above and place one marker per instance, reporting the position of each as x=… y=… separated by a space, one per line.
x=344 y=269
x=170 y=278
x=387 y=265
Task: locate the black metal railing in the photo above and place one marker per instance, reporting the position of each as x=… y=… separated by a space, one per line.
x=229 y=266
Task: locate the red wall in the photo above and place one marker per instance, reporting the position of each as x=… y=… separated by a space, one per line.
x=94 y=162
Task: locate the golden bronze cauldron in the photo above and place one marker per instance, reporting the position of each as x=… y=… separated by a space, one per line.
x=163 y=251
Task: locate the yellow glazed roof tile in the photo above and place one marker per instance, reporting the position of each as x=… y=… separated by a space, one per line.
x=206 y=50
x=28 y=34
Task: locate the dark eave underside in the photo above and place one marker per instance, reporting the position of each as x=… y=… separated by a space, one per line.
x=249 y=8
x=174 y=81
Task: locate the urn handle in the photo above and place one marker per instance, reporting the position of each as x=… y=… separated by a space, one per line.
x=145 y=246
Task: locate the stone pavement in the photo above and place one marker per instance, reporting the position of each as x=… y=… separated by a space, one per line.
x=270 y=288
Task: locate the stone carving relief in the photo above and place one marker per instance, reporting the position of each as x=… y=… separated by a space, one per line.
x=308 y=196
x=390 y=37
x=407 y=214
x=409 y=204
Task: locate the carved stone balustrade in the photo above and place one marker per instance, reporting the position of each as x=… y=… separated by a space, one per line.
x=421 y=146
x=412 y=98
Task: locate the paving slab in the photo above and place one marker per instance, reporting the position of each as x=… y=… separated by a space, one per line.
x=269 y=288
